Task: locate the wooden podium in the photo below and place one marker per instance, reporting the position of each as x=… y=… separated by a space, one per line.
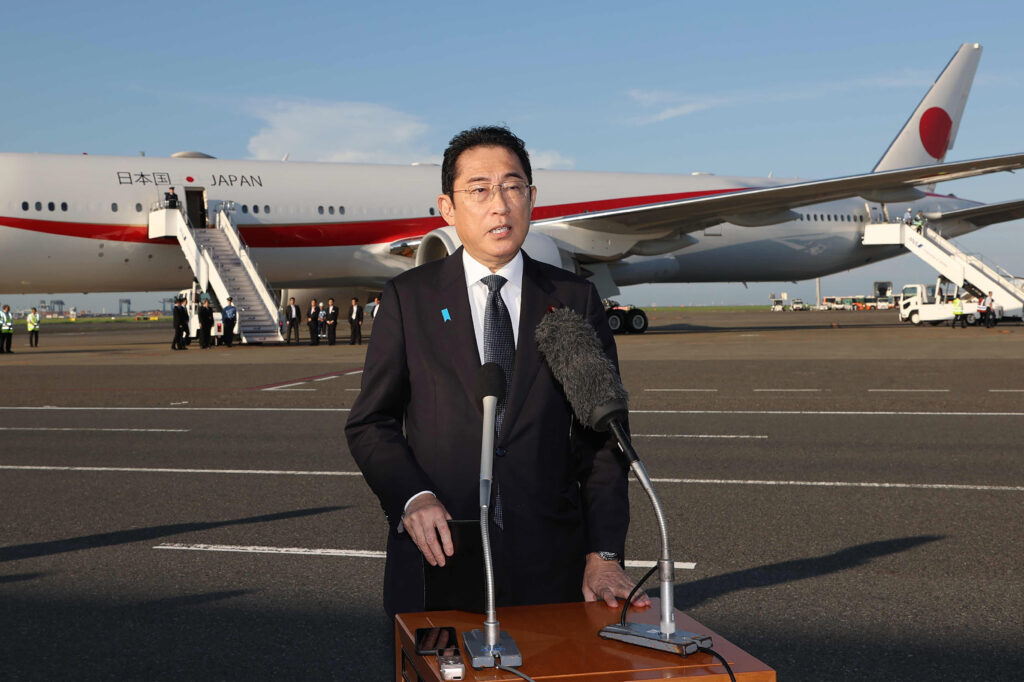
x=560 y=642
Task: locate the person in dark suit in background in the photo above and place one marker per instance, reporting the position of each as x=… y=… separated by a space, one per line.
x=313 y=322
x=205 y=323
x=355 y=322
x=291 y=317
x=414 y=429
x=332 y=321
x=180 y=325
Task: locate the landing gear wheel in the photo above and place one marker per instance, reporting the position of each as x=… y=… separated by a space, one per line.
x=616 y=321
x=636 y=321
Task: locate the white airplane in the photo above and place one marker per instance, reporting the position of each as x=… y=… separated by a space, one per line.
x=80 y=223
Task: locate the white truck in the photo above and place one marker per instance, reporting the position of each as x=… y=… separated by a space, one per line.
x=934 y=304
x=193 y=301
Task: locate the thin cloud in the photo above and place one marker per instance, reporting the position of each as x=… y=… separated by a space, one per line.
x=669 y=105
x=353 y=132
x=545 y=158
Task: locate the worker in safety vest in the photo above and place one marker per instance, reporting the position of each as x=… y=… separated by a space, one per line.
x=958 y=312
x=32 y=322
x=6 y=329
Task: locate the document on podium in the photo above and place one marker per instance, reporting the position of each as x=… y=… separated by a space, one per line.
x=459 y=584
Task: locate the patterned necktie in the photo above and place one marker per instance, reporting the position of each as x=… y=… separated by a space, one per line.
x=499 y=347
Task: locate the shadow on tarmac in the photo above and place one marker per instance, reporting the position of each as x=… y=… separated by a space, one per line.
x=690 y=595
x=122 y=537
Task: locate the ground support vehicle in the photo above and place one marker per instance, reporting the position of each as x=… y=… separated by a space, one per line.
x=625 y=318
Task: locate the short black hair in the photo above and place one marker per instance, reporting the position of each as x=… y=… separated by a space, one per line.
x=481 y=136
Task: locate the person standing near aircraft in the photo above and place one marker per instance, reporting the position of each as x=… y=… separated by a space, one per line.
x=291 y=317
x=376 y=307
x=32 y=323
x=230 y=315
x=355 y=323
x=6 y=329
x=414 y=429
x=170 y=198
x=205 y=323
x=990 y=311
x=180 y=320
x=332 y=321
x=312 y=322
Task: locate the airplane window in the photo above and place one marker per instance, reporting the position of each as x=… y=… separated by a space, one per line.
x=320 y=210
x=24 y=206
x=245 y=209
x=266 y=208
x=255 y=208
x=113 y=207
x=330 y=209
x=138 y=208
x=431 y=210
x=50 y=206
x=64 y=206
x=39 y=206
x=341 y=210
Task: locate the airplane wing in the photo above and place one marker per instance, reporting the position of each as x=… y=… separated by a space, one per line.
x=987 y=214
x=769 y=205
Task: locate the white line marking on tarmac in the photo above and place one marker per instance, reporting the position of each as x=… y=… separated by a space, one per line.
x=844 y=484
x=333 y=376
x=787 y=390
x=256 y=549
x=683 y=390
x=162 y=470
x=908 y=390
x=1006 y=390
x=52 y=408
x=684 y=565
x=819 y=413
x=60 y=428
x=354 y=553
x=835 y=413
x=288 y=387
x=693 y=435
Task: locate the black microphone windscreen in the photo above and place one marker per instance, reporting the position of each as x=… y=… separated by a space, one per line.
x=490 y=380
x=569 y=344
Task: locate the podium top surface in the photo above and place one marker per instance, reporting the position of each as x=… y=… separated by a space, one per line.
x=561 y=642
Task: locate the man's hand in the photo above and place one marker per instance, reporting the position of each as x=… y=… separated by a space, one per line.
x=606 y=580
x=425 y=520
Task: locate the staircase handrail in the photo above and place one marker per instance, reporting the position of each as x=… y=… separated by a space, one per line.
x=241 y=249
x=988 y=271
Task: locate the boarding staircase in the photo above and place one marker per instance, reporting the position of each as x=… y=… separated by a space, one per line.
x=220 y=260
x=953 y=264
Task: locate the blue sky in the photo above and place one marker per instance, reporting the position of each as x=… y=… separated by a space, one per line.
x=742 y=88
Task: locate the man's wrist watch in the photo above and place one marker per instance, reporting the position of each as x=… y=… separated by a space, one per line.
x=609 y=556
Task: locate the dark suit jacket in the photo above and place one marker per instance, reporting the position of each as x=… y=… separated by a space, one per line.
x=359 y=314
x=332 y=314
x=563 y=488
x=292 y=316
x=205 y=316
x=180 y=317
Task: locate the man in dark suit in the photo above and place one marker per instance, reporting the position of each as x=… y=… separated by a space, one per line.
x=355 y=322
x=332 y=321
x=313 y=323
x=415 y=427
x=180 y=325
x=291 y=317
x=205 y=323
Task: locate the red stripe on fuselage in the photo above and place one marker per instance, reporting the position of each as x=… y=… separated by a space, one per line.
x=331 y=234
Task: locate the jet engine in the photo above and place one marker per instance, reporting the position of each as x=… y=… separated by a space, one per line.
x=444 y=241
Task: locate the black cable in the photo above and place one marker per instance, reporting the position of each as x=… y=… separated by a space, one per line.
x=629 y=599
x=709 y=650
x=523 y=675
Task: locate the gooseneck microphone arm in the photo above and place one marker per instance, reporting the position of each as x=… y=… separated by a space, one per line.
x=592 y=386
x=491 y=647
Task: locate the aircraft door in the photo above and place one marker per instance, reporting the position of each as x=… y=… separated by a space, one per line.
x=195 y=204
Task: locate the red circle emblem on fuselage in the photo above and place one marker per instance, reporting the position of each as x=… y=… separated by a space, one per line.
x=936 y=127
x=189 y=178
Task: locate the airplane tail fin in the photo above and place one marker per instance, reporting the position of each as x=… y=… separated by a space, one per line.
x=931 y=129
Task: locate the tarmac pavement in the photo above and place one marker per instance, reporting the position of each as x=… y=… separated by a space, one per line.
x=850 y=492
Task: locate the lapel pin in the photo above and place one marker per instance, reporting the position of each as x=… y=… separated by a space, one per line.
x=445 y=315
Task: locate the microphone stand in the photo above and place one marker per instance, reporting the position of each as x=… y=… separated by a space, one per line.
x=665 y=638
x=486 y=648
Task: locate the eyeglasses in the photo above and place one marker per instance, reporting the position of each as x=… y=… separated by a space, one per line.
x=515 y=190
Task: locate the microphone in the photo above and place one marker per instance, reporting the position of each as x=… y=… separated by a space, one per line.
x=573 y=352
x=491 y=646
